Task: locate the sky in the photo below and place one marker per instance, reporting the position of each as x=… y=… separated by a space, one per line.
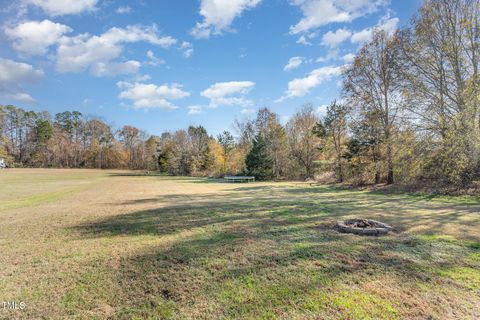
x=162 y=65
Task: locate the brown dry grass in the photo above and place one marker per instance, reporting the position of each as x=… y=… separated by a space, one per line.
x=89 y=244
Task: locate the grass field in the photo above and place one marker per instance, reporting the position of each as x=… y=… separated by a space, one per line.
x=87 y=244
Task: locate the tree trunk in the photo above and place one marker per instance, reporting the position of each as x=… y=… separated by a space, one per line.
x=339 y=168
x=389 y=157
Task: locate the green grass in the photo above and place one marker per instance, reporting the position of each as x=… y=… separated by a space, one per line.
x=36 y=199
x=128 y=245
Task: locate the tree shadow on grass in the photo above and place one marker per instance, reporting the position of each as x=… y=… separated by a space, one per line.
x=138 y=174
x=267 y=207
x=230 y=273
x=277 y=248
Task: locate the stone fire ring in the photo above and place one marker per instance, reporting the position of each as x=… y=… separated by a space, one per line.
x=374 y=228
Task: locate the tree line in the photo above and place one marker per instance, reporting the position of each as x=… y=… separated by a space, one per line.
x=71 y=140
x=409 y=112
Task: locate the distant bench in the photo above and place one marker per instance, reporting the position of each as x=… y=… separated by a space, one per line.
x=234 y=179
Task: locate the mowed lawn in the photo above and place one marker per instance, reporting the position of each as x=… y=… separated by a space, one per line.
x=90 y=244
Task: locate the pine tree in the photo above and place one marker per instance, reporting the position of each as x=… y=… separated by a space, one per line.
x=257 y=161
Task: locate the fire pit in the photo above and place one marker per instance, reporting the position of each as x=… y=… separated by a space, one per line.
x=366 y=227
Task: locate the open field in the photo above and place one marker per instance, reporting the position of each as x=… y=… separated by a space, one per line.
x=87 y=244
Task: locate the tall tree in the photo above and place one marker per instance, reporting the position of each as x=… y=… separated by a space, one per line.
x=152 y=145
x=227 y=142
x=440 y=64
x=71 y=125
x=43 y=133
x=372 y=85
x=130 y=136
x=257 y=161
x=268 y=126
x=335 y=124
x=99 y=139
x=302 y=139
x=199 y=149
x=366 y=143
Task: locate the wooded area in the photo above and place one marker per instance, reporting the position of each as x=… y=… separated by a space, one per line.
x=409 y=112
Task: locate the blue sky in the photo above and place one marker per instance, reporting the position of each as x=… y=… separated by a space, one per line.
x=164 y=65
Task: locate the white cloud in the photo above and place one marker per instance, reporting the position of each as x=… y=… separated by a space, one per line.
x=15 y=74
x=187 y=49
x=331 y=55
x=348 y=58
x=196 y=109
x=317 y=13
x=135 y=33
x=301 y=86
x=218 y=15
x=228 y=93
x=150 y=95
x=306 y=38
x=63 y=7
x=124 y=10
x=362 y=36
x=293 y=63
x=303 y=40
x=389 y=25
x=34 y=37
x=87 y=52
x=321 y=110
x=284 y=119
x=103 y=69
x=153 y=60
x=333 y=39
x=247 y=111
x=141 y=78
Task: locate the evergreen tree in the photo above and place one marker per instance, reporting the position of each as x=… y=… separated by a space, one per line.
x=257 y=161
x=43 y=133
